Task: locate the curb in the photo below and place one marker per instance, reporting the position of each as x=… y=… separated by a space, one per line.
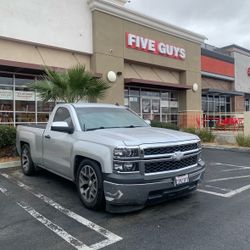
x=226 y=148
x=10 y=164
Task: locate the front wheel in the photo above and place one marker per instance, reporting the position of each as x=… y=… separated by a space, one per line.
x=27 y=164
x=89 y=183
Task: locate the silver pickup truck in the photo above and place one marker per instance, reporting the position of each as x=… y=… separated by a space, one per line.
x=114 y=157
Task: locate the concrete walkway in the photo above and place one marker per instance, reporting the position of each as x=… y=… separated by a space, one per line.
x=9 y=164
x=226 y=137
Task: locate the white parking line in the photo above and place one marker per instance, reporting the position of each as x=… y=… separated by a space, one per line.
x=111 y=237
x=227 y=195
x=229 y=178
x=50 y=225
x=211 y=192
x=222 y=189
x=236 y=167
x=231 y=193
x=228 y=164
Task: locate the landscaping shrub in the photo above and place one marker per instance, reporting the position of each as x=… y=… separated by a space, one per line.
x=190 y=130
x=7 y=141
x=166 y=125
x=243 y=141
x=204 y=134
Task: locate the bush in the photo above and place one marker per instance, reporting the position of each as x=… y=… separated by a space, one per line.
x=243 y=141
x=190 y=130
x=204 y=134
x=7 y=141
x=166 y=125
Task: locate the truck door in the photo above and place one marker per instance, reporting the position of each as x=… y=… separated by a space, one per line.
x=57 y=146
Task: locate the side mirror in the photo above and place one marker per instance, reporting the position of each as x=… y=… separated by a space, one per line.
x=62 y=127
x=148 y=122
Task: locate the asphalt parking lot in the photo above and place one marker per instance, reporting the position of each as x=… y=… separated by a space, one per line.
x=44 y=212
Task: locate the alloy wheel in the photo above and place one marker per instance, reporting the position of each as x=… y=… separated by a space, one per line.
x=88 y=183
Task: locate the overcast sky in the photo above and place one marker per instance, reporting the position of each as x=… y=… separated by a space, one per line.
x=223 y=22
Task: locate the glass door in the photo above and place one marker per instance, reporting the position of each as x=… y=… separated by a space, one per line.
x=150 y=108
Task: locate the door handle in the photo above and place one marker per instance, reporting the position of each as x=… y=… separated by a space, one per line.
x=47 y=136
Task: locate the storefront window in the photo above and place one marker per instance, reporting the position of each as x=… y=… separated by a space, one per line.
x=216 y=104
x=6 y=98
x=247 y=104
x=23 y=80
x=45 y=106
x=25 y=100
x=6 y=79
x=158 y=105
x=19 y=104
x=25 y=118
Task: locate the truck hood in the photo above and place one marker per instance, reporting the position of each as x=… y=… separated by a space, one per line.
x=145 y=135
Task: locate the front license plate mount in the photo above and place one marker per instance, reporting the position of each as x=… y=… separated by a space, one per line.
x=180 y=180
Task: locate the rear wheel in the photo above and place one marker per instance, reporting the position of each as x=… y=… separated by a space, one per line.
x=27 y=164
x=89 y=183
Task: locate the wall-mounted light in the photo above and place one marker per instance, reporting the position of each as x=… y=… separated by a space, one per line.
x=111 y=76
x=195 y=87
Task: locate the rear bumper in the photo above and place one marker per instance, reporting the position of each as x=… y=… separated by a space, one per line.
x=124 y=197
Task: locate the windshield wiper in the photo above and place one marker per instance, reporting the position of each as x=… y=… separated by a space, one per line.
x=131 y=126
x=90 y=129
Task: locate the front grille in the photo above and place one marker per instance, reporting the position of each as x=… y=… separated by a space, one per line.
x=160 y=166
x=170 y=149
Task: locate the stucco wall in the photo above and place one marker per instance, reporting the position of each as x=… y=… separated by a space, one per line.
x=216 y=84
x=109 y=44
x=242 y=79
x=64 y=24
x=23 y=53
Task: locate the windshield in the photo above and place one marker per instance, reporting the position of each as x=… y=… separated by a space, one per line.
x=92 y=118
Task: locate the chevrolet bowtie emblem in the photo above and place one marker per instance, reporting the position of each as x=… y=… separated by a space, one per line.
x=177 y=156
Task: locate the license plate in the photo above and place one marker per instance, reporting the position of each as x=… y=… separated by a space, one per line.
x=182 y=179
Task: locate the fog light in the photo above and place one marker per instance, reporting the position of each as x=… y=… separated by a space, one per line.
x=126 y=167
x=118 y=166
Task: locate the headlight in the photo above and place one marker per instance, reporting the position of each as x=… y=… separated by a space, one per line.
x=126 y=153
x=126 y=167
x=199 y=144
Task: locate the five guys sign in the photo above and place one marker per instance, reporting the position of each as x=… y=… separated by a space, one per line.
x=154 y=47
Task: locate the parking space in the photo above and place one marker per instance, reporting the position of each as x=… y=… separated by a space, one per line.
x=225 y=179
x=23 y=195
x=44 y=212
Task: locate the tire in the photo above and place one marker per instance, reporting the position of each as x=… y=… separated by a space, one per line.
x=89 y=184
x=27 y=164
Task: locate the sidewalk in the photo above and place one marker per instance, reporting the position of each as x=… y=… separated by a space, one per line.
x=233 y=148
x=9 y=164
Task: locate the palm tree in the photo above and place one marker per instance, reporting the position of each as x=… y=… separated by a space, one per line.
x=71 y=85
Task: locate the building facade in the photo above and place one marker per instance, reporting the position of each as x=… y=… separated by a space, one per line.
x=242 y=75
x=155 y=65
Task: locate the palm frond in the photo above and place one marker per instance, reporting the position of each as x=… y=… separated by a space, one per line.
x=73 y=85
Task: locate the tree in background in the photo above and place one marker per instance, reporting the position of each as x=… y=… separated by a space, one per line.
x=72 y=85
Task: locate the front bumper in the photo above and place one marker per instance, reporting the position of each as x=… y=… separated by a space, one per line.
x=124 y=196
